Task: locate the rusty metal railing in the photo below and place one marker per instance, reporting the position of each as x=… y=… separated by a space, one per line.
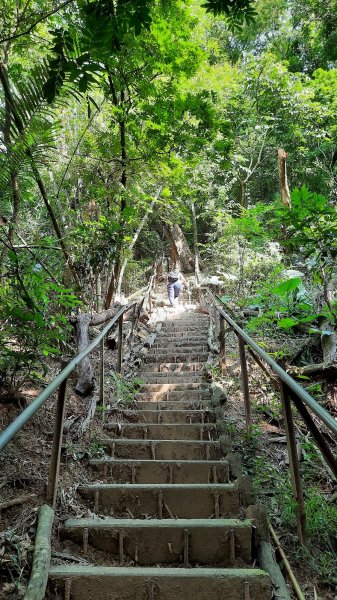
x=291 y=394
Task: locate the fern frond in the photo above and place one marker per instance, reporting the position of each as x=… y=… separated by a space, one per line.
x=36 y=134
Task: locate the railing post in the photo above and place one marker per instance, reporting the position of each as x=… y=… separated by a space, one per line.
x=120 y=344
x=54 y=467
x=317 y=435
x=216 y=322
x=223 y=366
x=245 y=384
x=133 y=321
x=293 y=462
x=101 y=378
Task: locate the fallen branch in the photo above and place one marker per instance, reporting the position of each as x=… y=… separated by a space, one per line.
x=17 y=501
x=290 y=573
x=312 y=369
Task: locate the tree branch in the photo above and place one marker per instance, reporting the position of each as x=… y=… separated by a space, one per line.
x=39 y=20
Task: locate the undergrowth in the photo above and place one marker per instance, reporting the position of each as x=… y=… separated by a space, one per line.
x=273 y=488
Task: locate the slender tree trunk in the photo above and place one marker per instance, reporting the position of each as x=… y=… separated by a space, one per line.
x=14 y=177
x=133 y=242
x=284 y=188
x=195 y=243
x=117 y=273
x=242 y=193
x=329 y=342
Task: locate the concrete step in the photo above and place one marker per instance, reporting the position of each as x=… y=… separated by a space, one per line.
x=149 y=583
x=158 y=405
x=162 y=449
x=180 y=343
x=188 y=316
x=165 y=500
x=181 y=386
x=186 y=320
x=149 y=542
x=173 y=348
x=174 y=357
x=182 y=368
x=190 y=395
x=115 y=470
x=168 y=416
x=195 y=328
x=163 y=431
x=172 y=378
x=200 y=319
x=182 y=336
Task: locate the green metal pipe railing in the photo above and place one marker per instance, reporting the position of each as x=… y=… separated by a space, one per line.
x=7 y=435
x=291 y=393
x=298 y=390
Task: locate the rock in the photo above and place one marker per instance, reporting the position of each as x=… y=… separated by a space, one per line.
x=218 y=394
x=246 y=491
x=225 y=444
x=234 y=461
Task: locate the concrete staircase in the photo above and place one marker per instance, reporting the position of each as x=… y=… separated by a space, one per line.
x=171 y=522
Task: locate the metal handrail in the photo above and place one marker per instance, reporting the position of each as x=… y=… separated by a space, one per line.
x=310 y=402
x=291 y=392
x=7 y=435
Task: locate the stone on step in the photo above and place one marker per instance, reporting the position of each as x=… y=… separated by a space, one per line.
x=128 y=583
x=116 y=470
x=200 y=542
x=182 y=501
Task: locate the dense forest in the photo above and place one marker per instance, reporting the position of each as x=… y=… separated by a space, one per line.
x=198 y=132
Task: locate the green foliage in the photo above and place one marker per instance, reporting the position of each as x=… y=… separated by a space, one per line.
x=123 y=390
x=32 y=313
x=236 y=12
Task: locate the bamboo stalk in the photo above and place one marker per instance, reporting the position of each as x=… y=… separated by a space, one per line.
x=290 y=572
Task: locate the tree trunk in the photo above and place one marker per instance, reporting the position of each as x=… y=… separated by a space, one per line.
x=85 y=383
x=242 y=193
x=14 y=177
x=117 y=271
x=133 y=242
x=195 y=244
x=181 y=255
x=283 y=180
x=329 y=342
